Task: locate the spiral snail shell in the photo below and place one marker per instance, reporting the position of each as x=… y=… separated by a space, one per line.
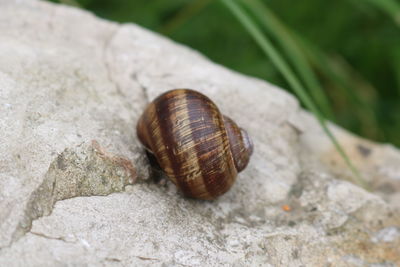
x=199 y=149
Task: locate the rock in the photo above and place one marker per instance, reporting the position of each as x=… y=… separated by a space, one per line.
x=72 y=87
x=85 y=170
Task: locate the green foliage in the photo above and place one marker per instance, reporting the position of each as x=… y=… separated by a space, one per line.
x=346 y=53
x=283 y=67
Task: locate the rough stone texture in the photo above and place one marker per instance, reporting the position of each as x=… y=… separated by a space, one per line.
x=71 y=89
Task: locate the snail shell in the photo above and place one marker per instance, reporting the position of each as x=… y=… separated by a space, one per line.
x=198 y=148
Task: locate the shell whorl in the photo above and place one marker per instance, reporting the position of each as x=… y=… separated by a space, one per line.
x=191 y=141
x=240 y=144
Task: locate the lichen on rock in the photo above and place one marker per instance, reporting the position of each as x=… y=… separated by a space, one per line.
x=85 y=170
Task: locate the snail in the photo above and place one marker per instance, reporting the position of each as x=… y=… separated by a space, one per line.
x=199 y=149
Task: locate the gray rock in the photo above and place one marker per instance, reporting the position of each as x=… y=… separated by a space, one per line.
x=74 y=181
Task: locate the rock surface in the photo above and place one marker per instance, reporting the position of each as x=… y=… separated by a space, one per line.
x=74 y=181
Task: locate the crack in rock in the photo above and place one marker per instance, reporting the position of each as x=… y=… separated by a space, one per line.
x=107 y=64
x=85 y=170
x=106 y=48
x=144 y=88
x=63 y=239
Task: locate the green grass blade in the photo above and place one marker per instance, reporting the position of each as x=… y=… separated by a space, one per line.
x=391 y=7
x=349 y=82
x=295 y=51
x=396 y=68
x=294 y=54
x=285 y=70
x=187 y=12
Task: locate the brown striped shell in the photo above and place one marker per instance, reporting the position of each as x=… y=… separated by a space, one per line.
x=198 y=148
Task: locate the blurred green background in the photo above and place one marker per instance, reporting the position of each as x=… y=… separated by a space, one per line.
x=352 y=48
